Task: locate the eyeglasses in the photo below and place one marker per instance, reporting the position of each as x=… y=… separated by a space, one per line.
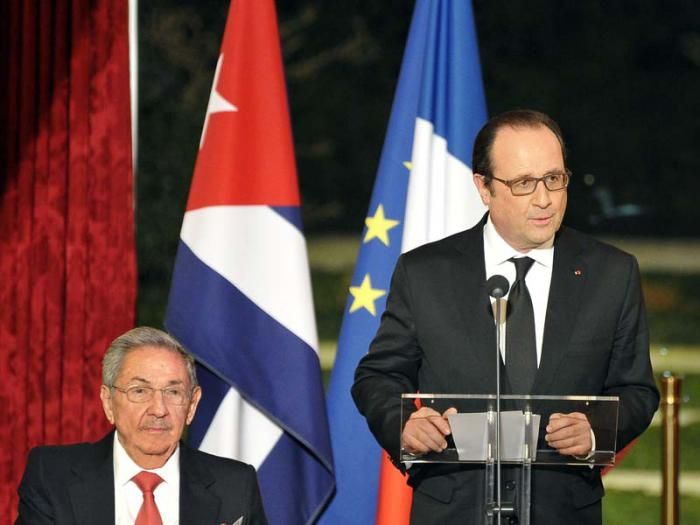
x=172 y=395
x=553 y=181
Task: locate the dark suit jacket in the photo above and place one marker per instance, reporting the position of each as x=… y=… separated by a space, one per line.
x=74 y=485
x=437 y=335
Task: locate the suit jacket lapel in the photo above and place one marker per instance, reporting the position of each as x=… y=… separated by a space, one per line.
x=197 y=503
x=568 y=278
x=92 y=492
x=472 y=298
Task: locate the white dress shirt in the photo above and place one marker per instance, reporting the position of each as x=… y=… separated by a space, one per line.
x=538 y=279
x=128 y=497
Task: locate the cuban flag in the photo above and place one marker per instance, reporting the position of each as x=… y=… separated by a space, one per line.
x=423 y=192
x=240 y=298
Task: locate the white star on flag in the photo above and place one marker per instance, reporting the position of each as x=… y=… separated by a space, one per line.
x=217 y=102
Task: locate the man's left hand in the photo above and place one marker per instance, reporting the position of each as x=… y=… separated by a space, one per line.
x=570 y=434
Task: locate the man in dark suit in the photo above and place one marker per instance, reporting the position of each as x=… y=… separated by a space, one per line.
x=586 y=334
x=140 y=473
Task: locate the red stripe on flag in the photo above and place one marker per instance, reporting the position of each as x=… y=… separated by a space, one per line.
x=395 y=496
x=619 y=457
x=247 y=155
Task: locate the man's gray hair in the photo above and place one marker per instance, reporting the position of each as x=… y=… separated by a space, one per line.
x=138 y=338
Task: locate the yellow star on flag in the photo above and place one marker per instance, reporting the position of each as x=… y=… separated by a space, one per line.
x=408 y=165
x=379 y=226
x=364 y=296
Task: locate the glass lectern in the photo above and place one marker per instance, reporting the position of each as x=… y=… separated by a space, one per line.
x=516 y=438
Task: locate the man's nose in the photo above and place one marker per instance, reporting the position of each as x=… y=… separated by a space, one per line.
x=157 y=405
x=541 y=197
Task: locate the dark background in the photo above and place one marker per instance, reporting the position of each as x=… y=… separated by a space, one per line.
x=621 y=78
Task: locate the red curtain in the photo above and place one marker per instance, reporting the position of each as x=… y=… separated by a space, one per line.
x=67 y=261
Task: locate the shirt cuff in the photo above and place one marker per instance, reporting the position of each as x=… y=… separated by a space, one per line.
x=591 y=453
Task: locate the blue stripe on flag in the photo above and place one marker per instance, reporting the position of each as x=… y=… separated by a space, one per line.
x=291 y=214
x=214 y=390
x=246 y=347
x=287 y=461
x=451 y=80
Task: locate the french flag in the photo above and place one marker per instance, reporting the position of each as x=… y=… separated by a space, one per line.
x=240 y=298
x=423 y=192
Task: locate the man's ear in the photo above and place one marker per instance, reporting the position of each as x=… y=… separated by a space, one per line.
x=483 y=189
x=106 y=398
x=196 y=396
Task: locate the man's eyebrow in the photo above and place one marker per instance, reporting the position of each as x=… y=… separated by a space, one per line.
x=529 y=174
x=146 y=381
x=139 y=379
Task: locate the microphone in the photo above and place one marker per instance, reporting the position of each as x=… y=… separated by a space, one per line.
x=497 y=286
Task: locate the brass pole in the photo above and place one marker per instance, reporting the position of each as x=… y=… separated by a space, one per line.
x=670 y=408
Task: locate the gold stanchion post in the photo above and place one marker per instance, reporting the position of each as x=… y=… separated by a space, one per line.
x=670 y=408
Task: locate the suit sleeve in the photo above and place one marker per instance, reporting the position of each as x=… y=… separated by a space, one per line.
x=630 y=374
x=391 y=366
x=35 y=507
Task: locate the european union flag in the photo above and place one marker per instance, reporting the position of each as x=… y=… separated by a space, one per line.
x=423 y=192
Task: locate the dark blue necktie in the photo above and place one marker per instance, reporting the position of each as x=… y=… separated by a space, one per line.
x=521 y=354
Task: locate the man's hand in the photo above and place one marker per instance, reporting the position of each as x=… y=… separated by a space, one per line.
x=425 y=431
x=570 y=434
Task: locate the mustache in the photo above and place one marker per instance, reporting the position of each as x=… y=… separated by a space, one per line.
x=156 y=425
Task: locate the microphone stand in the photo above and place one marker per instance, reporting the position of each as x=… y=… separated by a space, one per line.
x=498 y=407
x=498 y=286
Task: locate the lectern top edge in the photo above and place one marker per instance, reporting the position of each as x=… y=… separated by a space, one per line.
x=510 y=397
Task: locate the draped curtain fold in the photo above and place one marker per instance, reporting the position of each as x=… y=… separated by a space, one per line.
x=67 y=259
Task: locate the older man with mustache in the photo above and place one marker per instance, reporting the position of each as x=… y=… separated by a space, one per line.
x=140 y=473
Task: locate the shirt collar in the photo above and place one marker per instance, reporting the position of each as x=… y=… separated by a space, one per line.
x=497 y=250
x=125 y=468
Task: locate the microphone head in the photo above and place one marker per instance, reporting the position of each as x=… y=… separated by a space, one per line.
x=497 y=286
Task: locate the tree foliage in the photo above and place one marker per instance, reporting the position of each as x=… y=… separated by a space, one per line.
x=621 y=78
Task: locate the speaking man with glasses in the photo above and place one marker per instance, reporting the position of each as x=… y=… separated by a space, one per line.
x=576 y=324
x=140 y=473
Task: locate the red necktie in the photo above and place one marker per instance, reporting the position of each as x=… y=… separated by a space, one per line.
x=148 y=513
